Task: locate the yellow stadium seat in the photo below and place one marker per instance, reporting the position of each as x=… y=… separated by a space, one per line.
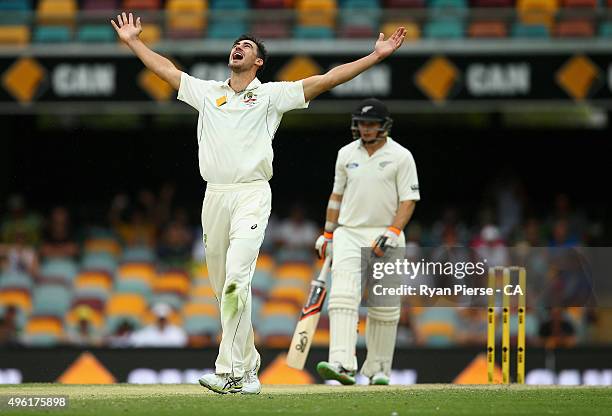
x=172 y=282
x=290 y=293
x=194 y=309
x=151 y=33
x=56 y=11
x=203 y=291
x=14 y=35
x=537 y=11
x=186 y=15
x=126 y=304
x=294 y=270
x=412 y=29
x=44 y=325
x=137 y=270
x=103 y=245
x=265 y=262
x=316 y=12
x=321 y=338
x=20 y=298
x=435 y=328
x=95 y=317
x=277 y=308
x=94 y=279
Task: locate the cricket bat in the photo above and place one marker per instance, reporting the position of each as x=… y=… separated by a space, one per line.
x=309 y=318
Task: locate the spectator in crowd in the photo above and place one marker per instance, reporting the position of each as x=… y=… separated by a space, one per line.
x=137 y=230
x=58 y=237
x=489 y=245
x=122 y=337
x=162 y=333
x=449 y=220
x=165 y=203
x=20 y=222
x=84 y=334
x=175 y=245
x=576 y=223
x=557 y=330
x=296 y=232
x=19 y=257
x=9 y=331
x=560 y=235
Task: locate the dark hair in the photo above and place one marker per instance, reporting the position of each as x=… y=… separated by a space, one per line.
x=261 y=49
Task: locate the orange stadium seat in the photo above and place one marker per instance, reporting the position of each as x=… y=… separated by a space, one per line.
x=126 y=304
x=56 y=11
x=22 y=299
x=488 y=29
x=142 y=271
x=412 y=29
x=186 y=18
x=104 y=245
x=95 y=317
x=174 y=282
x=14 y=35
x=291 y=294
x=196 y=309
x=44 y=325
x=203 y=291
x=293 y=271
x=277 y=308
x=94 y=279
x=533 y=12
x=320 y=13
x=575 y=28
x=265 y=262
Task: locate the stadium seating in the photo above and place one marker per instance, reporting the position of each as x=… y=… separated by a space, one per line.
x=186 y=18
x=14 y=35
x=488 y=29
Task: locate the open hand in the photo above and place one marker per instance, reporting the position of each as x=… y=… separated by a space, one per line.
x=384 y=48
x=126 y=28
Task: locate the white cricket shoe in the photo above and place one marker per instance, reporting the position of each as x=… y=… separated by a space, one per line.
x=221 y=383
x=251 y=384
x=379 y=379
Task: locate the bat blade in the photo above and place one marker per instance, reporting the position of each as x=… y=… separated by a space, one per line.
x=309 y=319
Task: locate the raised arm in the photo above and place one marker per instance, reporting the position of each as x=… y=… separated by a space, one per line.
x=318 y=84
x=129 y=32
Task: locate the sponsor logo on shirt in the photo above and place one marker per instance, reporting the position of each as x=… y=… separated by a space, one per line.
x=250 y=99
x=221 y=100
x=414 y=187
x=385 y=163
x=352 y=165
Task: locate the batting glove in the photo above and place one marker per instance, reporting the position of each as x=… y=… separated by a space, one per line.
x=385 y=241
x=323 y=246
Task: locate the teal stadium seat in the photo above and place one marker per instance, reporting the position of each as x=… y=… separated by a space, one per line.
x=138 y=255
x=605 y=30
x=444 y=29
x=52 y=300
x=15 y=280
x=520 y=30
x=276 y=325
x=96 y=34
x=136 y=286
x=52 y=34
x=63 y=269
x=98 y=261
x=226 y=30
x=202 y=324
x=14 y=12
x=312 y=32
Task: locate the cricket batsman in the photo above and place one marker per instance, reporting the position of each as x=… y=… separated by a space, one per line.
x=237 y=122
x=374 y=195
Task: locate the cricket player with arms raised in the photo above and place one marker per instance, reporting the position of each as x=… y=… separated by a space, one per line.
x=373 y=198
x=237 y=122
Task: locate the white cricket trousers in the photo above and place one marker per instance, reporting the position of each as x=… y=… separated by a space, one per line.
x=343 y=305
x=234 y=218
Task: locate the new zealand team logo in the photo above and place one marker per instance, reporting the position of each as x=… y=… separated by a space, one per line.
x=250 y=99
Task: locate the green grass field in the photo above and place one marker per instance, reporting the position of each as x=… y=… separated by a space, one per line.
x=433 y=399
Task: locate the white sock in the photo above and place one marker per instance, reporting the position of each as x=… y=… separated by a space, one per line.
x=343 y=337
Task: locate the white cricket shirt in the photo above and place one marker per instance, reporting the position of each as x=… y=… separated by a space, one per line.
x=373 y=186
x=235 y=129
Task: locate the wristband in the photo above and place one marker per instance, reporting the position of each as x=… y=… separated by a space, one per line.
x=328 y=235
x=395 y=230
